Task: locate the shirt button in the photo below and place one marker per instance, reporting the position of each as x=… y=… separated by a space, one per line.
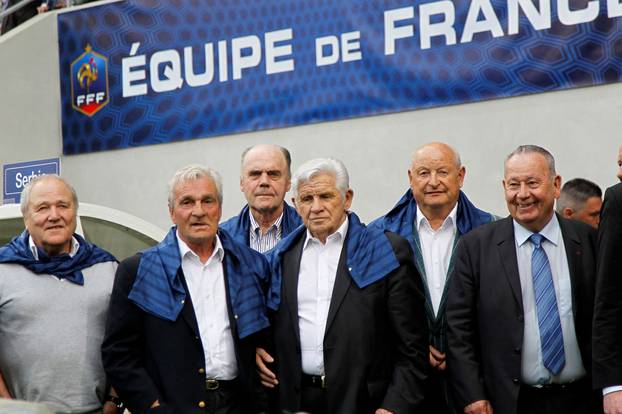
x=515 y=380
x=201 y=371
x=201 y=404
x=183 y=301
x=235 y=316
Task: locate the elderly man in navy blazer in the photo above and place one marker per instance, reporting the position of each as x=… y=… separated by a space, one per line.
x=349 y=333
x=186 y=315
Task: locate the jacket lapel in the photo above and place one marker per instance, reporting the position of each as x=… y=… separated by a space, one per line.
x=290 y=270
x=231 y=294
x=574 y=255
x=343 y=282
x=187 y=311
x=507 y=250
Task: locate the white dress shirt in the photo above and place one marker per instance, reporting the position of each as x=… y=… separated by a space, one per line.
x=533 y=371
x=264 y=242
x=318 y=269
x=436 y=249
x=206 y=284
x=75 y=245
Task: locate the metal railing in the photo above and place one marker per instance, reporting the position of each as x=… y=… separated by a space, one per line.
x=15 y=8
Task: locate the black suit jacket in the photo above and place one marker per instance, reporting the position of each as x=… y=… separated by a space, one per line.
x=608 y=308
x=148 y=358
x=485 y=310
x=375 y=343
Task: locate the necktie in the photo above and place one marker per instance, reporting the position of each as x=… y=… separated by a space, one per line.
x=551 y=338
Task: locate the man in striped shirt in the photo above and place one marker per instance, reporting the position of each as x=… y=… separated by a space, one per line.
x=265 y=178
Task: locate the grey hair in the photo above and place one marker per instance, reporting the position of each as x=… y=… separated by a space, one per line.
x=317 y=166
x=576 y=192
x=25 y=196
x=190 y=173
x=286 y=155
x=534 y=149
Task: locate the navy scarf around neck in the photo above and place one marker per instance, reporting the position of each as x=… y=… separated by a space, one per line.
x=62 y=266
x=402 y=216
x=239 y=226
x=370 y=257
x=159 y=290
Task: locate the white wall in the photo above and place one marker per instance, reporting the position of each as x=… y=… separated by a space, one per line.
x=580 y=127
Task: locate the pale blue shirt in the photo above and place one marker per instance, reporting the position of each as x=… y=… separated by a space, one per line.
x=533 y=371
x=264 y=242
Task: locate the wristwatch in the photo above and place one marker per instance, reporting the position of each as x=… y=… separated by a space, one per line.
x=116 y=401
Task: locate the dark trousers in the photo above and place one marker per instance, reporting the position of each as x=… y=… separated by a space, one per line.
x=437 y=399
x=224 y=400
x=313 y=400
x=575 y=398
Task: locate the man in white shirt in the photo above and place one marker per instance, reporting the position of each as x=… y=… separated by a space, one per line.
x=349 y=326
x=432 y=215
x=186 y=315
x=519 y=310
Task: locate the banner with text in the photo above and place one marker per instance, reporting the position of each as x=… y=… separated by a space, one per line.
x=145 y=71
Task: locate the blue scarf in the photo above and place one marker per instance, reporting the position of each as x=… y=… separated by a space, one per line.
x=370 y=257
x=158 y=288
x=62 y=266
x=402 y=217
x=239 y=226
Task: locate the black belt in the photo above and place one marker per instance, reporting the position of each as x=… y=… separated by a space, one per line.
x=568 y=386
x=213 y=385
x=314 y=381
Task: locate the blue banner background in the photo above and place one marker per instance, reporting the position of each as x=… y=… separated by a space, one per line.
x=529 y=62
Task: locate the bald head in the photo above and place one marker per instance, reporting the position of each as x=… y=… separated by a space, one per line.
x=267 y=151
x=438 y=150
x=436 y=176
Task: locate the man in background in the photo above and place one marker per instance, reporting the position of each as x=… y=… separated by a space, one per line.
x=265 y=178
x=581 y=200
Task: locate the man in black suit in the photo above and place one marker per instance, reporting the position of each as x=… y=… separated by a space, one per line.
x=349 y=327
x=608 y=310
x=520 y=306
x=185 y=316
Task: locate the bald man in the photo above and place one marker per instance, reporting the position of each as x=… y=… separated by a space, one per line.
x=265 y=178
x=432 y=215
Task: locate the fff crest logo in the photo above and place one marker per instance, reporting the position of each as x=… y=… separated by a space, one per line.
x=89 y=82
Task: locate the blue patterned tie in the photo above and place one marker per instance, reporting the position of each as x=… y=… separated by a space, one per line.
x=551 y=338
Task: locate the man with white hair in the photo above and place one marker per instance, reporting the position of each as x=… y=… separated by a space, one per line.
x=186 y=316
x=54 y=292
x=349 y=327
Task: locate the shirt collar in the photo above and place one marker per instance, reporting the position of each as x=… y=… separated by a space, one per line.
x=450 y=220
x=184 y=250
x=75 y=245
x=254 y=225
x=551 y=232
x=339 y=235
